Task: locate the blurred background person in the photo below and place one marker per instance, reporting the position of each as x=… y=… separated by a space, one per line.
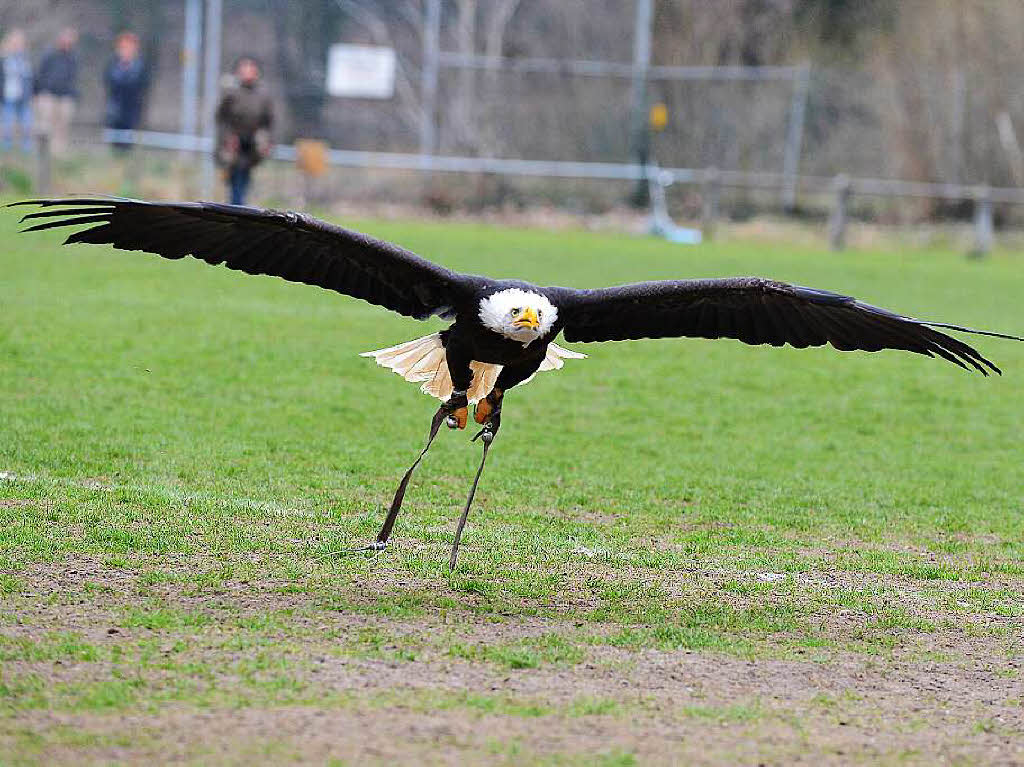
x=56 y=88
x=16 y=81
x=245 y=116
x=125 y=81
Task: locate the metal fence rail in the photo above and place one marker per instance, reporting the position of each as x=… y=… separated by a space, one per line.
x=587 y=68
x=878 y=187
x=710 y=179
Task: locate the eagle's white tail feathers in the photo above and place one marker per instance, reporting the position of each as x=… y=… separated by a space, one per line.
x=423 y=360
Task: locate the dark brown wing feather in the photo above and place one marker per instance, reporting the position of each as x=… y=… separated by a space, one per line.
x=755 y=311
x=293 y=246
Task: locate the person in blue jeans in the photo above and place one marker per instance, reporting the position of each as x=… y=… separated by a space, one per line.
x=245 y=116
x=16 y=85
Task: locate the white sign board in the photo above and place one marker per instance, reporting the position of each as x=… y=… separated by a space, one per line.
x=361 y=71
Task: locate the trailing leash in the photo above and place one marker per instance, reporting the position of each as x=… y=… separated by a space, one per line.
x=486 y=436
x=396 y=503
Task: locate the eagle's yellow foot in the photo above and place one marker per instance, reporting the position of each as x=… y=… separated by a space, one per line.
x=458 y=411
x=459 y=418
x=488 y=406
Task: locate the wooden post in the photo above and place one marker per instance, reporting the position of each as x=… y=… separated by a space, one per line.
x=711 y=198
x=133 y=162
x=840 y=213
x=44 y=164
x=984 y=222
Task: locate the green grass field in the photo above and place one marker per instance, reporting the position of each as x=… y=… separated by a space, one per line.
x=682 y=551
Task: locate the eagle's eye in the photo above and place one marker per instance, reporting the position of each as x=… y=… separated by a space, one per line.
x=515 y=312
x=540 y=314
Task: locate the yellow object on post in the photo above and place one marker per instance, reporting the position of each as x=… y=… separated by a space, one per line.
x=311 y=156
x=658 y=117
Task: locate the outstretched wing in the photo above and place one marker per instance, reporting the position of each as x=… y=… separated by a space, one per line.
x=755 y=311
x=293 y=246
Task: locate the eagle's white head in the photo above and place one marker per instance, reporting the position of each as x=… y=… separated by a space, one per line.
x=521 y=315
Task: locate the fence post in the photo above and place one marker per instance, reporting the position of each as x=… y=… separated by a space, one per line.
x=711 y=195
x=984 y=222
x=428 y=79
x=795 y=138
x=640 y=135
x=840 y=215
x=44 y=164
x=190 y=52
x=211 y=89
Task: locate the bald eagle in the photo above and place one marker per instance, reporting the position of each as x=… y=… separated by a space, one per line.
x=502 y=331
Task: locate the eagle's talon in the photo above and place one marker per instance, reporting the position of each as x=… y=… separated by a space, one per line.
x=488 y=407
x=458 y=419
x=457 y=408
x=482 y=411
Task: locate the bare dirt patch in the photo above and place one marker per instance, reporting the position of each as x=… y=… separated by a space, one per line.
x=18 y=503
x=687 y=709
x=376 y=704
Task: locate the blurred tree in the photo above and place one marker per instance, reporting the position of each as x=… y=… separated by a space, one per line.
x=842 y=23
x=305 y=30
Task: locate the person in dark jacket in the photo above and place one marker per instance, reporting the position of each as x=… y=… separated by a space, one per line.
x=125 y=79
x=16 y=85
x=245 y=116
x=56 y=88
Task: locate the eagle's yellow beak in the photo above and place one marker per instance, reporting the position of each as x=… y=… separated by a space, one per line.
x=528 y=319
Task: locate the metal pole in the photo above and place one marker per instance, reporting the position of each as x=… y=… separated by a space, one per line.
x=795 y=137
x=431 y=58
x=618 y=69
x=641 y=70
x=190 y=67
x=211 y=86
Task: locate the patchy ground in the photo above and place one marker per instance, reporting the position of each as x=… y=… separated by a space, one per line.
x=103 y=664
x=683 y=552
